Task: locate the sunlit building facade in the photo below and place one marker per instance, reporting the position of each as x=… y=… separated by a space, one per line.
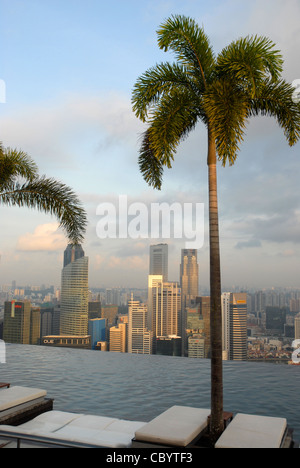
x=74 y=293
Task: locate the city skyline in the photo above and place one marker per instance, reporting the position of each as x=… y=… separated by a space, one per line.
x=70 y=109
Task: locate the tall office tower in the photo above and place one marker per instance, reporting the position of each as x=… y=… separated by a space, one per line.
x=16 y=327
x=204 y=310
x=189 y=276
x=118 y=338
x=276 y=319
x=139 y=336
x=35 y=326
x=225 y=325
x=166 y=309
x=159 y=260
x=72 y=253
x=46 y=321
x=297 y=327
x=189 y=272
x=74 y=293
x=94 y=310
x=235 y=324
x=154 y=281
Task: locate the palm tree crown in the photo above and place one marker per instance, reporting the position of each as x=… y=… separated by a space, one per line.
x=20 y=185
x=222 y=91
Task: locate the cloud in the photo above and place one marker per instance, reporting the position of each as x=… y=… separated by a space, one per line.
x=46 y=237
x=248 y=244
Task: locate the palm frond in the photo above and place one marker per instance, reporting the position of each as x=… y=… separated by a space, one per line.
x=158 y=81
x=14 y=163
x=250 y=60
x=275 y=99
x=173 y=118
x=51 y=197
x=190 y=44
x=151 y=168
x=226 y=107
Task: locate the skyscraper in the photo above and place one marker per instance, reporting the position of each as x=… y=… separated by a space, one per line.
x=74 y=292
x=234 y=311
x=166 y=309
x=159 y=260
x=189 y=287
x=189 y=276
x=97 y=331
x=204 y=309
x=225 y=325
x=16 y=328
x=72 y=253
x=154 y=281
x=118 y=338
x=139 y=336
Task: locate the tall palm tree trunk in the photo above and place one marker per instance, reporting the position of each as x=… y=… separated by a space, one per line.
x=216 y=422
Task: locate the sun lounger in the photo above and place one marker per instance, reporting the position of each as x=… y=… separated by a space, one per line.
x=179 y=426
x=75 y=430
x=17 y=402
x=248 y=431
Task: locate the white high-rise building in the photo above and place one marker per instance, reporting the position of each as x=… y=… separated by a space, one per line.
x=166 y=308
x=154 y=281
x=139 y=336
x=74 y=293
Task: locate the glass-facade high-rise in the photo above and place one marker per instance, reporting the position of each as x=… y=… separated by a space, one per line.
x=17 y=322
x=74 y=292
x=159 y=260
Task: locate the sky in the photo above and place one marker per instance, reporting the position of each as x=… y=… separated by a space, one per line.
x=69 y=67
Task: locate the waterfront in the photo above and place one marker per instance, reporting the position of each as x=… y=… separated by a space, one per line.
x=139 y=387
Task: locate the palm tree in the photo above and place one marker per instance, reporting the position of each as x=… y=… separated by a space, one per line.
x=20 y=185
x=222 y=92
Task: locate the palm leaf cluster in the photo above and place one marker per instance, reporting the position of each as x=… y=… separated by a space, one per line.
x=21 y=185
x=223 y=92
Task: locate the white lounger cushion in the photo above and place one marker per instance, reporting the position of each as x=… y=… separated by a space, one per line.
x=15 y=396
x=249 y=431
x=178 y=426
x=50 y=421
x=71 y=427
x=98 y=423
x=94 y=437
